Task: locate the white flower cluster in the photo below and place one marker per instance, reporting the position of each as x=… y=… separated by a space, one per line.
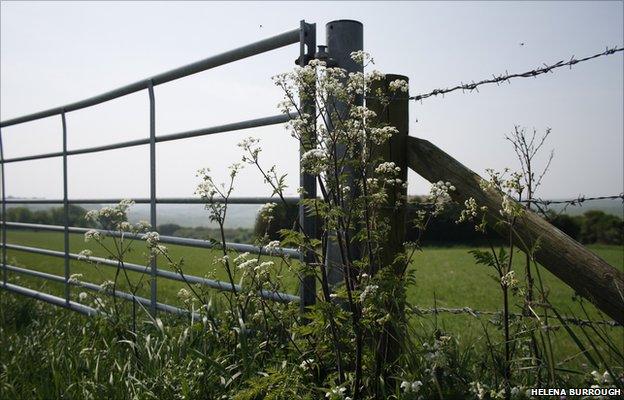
x=107 y=286
x=266 y=211
x=388 y=172
x=92 y=234
x=74 y=278
x=509 y=279
x=439 y=195
x=251 y=149
x=362 y=113
x=151 y=238
x=368 y=291
x=514 y=183
x=114 y=217
x=152 y=241
x=85 y=254
x=398 y=85
x=602 y=379
x=435 y=353
x=411 y=387
x=313 y=161
x=184 y=295
x=307 y=364
x=337 y=393
x=272 y=247
x=482 y=391
x=387 y=168
x=360 y=56
x=253 y=266
x=478 y=390
x=509 y=208
x=82 y=296
x=380 y=135
x=206 y=189
x=469 y=212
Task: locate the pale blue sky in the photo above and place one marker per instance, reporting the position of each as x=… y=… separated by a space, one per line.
x=55 y=53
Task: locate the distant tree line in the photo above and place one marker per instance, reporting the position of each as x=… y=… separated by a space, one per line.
x=50 y=216
x=237 y=235
x=591 y=227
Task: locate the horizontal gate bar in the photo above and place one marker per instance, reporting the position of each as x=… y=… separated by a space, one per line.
x=240 y=53
x=234 y=126
x=164 y=239
x=163 y=200
x=96 y=288
x=219 y=285
x=48 y=298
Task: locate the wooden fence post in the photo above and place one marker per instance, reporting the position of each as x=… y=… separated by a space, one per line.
x=396 y=114
x=589 y=275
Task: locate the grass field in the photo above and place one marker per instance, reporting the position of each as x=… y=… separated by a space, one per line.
x=446 y=277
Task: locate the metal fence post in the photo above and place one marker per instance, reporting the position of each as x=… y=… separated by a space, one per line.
x=4 y=268
x=65 y=210
x=307 y=47
x=153 y=266
x=343 y=37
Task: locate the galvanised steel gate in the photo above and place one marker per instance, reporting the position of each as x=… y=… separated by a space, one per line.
x=305 y=35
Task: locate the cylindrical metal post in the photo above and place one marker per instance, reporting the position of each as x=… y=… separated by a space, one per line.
x=307 y=290
x=65 y=210
x=343 y=37
x=153 y=266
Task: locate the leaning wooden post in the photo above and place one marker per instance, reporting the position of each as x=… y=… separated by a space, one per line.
x=396 y=114
x=589 y=275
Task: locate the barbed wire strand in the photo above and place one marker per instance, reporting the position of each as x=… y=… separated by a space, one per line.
x=507 y=76
x=477 y=314
x=575 y=202
x=578 y=201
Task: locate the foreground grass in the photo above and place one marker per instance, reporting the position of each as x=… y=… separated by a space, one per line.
x=52 y=353
x=445 y=277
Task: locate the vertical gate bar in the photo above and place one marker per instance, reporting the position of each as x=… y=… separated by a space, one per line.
x=4 y=270
x=343 y=37
x=307 y=47
x=153 y=266
x=65 y=209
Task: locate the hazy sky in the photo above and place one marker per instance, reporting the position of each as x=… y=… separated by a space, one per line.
x=55 y=53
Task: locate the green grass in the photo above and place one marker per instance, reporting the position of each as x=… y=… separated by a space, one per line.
x=452 y=275
x=197 y=261
x=445 y=276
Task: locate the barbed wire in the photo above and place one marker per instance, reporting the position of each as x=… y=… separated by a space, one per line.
x=574 y=202
x=536 y=201
x=477 y=314
x=507 y=76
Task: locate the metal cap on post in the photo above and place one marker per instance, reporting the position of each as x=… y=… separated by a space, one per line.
x=343 y=37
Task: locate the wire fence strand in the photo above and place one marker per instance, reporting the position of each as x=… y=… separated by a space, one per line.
x=506 y=77
x=477 y=313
